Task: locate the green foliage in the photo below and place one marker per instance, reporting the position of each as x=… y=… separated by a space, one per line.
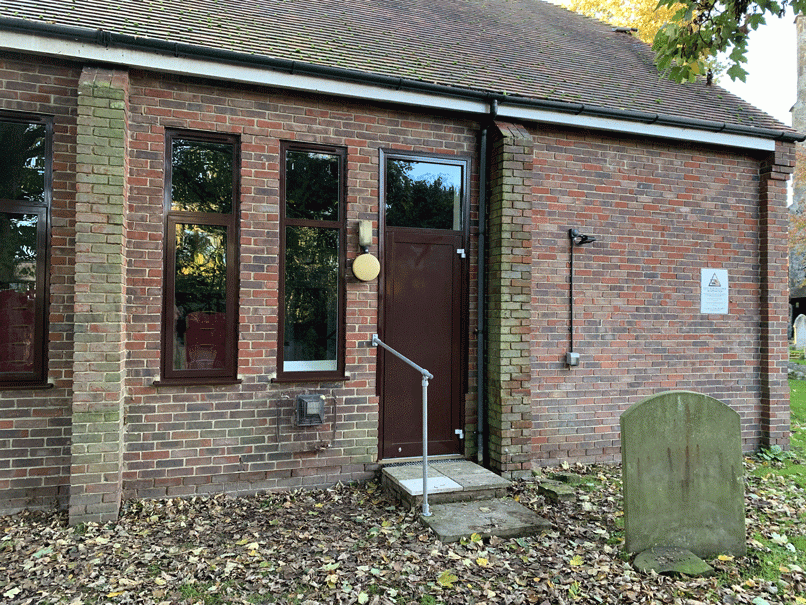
x=774 y=453
x=701 y=29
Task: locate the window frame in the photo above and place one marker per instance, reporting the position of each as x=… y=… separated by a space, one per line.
x=340 y=225
x=172 y=218
x=37 y=378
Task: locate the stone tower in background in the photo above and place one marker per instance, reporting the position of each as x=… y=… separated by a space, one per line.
x=797 y=262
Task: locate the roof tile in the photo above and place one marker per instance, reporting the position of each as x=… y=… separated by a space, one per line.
x=527 y=48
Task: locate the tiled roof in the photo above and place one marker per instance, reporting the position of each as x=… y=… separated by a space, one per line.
x=527 y=48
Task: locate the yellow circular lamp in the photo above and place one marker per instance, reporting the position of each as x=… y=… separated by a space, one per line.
x=366 y=267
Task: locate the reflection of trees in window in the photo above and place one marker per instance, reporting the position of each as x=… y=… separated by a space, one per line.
x=201 y=268
x=24 y=195
x=313 y=230
x=312 y=186
x=200 y=306
x=311 y=293
x=424 y=195
x=202 y=176
x=18 y=251
x=22 y=161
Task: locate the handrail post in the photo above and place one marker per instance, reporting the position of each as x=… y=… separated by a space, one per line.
x=426 y=510
x=426 y=377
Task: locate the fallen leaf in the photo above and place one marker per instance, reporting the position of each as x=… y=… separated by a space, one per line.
x=446 y=579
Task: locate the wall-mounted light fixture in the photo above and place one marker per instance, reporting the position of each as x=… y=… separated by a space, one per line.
x=365 y=267
x=577 y=239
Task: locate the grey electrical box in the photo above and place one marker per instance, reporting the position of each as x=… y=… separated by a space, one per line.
x=572 y=359
x=310 y=410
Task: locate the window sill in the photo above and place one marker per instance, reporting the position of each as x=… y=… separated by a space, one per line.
x=192 y=382
x=289 y=378
x=24 y=386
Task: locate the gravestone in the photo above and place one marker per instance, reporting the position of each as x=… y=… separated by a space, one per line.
x=800 y=332
x=682 y=474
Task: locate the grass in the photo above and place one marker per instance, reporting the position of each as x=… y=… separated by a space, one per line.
x=776 y=552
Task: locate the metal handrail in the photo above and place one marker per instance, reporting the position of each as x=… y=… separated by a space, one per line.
x=426 y=377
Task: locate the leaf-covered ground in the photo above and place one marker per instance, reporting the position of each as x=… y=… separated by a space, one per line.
x=351 y=544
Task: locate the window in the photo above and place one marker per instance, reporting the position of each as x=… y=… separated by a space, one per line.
x=424 y=193
x=25 y=196
x=312 y=242
x=200 y=305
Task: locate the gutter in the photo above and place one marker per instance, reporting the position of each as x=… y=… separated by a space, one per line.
x=509 y=106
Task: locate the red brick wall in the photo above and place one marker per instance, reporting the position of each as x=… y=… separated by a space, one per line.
x=185 y=440
x=661 y=211
x=35 y=424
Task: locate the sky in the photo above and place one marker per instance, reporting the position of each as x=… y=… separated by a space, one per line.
x=772 y=69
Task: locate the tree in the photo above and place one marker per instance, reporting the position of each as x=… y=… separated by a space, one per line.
x=699 y=30
x=689 y=36
x=644 y=15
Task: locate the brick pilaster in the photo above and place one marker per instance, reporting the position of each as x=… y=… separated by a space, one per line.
x=98 y=367
x=509 y=301
x=773 y=252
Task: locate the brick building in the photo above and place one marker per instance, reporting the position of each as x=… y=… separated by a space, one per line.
x=187 y=191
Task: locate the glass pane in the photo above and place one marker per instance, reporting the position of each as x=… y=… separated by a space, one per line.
x=201 y=176
x=22 y=162
x=18 y=257
x=200 y=302
x=311 y=186
x=311 y=299
x=423 y=194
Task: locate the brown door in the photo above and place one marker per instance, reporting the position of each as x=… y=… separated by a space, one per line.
x=422 y=320
x=424 y=213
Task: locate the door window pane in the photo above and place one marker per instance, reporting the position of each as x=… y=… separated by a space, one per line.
x=427 y=195
x=18 y=281
x=311 y=311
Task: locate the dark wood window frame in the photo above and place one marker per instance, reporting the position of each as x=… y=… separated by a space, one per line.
x=230 y=221
x=339 y=224
x=37 y=378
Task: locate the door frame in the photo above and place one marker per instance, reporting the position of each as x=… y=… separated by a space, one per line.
x=466 y=161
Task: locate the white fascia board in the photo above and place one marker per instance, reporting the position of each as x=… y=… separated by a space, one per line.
x=68 y=49
x=636 y=128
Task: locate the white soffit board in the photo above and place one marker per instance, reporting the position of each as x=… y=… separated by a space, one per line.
x=68 y=49
x=637 y=128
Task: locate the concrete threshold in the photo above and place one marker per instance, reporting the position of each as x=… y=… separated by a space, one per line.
x=448 y=481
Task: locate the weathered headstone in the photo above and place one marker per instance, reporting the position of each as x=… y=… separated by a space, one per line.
x=800 y=332
x=683 y=475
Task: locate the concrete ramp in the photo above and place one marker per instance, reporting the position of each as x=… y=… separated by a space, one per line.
x=496 y=517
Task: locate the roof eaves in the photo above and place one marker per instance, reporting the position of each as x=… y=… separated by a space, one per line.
x=180 y=49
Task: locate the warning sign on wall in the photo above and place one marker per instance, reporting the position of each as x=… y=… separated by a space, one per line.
x=713 y=291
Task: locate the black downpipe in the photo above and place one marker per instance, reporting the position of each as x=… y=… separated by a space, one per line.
x=482 y=428
x=481 y=365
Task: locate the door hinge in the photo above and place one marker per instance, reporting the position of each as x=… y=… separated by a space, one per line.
x=460 y=432
x=461 y=251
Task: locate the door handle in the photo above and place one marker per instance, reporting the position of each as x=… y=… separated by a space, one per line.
x=461 y=252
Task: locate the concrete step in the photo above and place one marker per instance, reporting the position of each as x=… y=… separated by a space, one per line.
x=500 y=517
x=464 y=499
x=448 y=481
